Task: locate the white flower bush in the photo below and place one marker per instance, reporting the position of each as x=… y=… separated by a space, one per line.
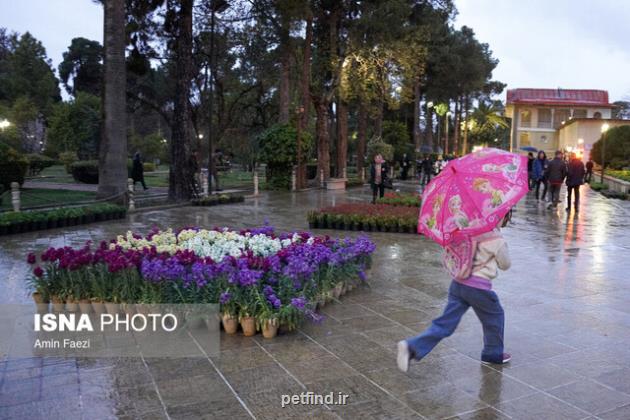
x=208 y=243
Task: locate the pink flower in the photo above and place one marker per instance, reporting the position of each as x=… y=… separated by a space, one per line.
x=38 y=271
x=31 y=259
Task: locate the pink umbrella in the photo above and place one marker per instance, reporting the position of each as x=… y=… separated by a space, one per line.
x=472 y=194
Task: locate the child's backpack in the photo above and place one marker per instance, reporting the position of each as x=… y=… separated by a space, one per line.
x=459 y=255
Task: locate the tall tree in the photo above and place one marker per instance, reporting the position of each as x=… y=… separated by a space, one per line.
x=82 y=68
x=113 y=146
x=183 y=165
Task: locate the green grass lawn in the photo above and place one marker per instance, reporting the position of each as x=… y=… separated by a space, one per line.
x=31 y=197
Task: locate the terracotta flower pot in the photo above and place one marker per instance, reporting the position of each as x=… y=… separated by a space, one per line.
x=98 y=307
x=72 y=305
x=111 y=308
x=57 y=304
x=40 y=302
x=248 y=324
x=270 y=328
x=337 y=290
x=230 y=324
x=85 y=306
x=130 y=309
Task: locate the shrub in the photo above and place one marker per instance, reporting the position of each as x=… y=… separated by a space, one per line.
x=37 y=163
x=13 y=167
x=623 y=175
x=615 y=194
x=598 y=186
x=376 y=146
x=68 y=158
x=398 y=199
x=279 y=152
x=148 y=166
x=85 y=171
x=617 y=148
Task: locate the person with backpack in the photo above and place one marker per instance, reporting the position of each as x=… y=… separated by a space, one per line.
x=473 y=263
x=540 y=166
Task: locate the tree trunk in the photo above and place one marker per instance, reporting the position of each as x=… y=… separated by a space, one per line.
x=182 y=170
x=113 y=148
x=458 y=110
x=362 y=122
x=323 y=139
x=285 y=63
x=417 y=96
x=428 y=115
x=342 y=137
x=306 y=101
x=378 y=120
x=466 y=106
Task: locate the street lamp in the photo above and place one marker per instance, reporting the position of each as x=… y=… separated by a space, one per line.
x=4 y=124
x=605 y=128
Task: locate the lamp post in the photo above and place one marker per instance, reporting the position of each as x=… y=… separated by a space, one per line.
x=447 y=115
x=4 y=124
x=605 y=127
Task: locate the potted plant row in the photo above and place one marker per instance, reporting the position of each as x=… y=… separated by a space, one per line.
x=27 y=221
x=213 y=200
x=367 y=223
x=261 y=294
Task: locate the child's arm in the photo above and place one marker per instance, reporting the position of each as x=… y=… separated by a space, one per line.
x=503 y=257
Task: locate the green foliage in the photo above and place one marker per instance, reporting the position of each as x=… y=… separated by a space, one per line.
x=13 y=167
x=278 y=149
x=377 y=146
x=37 y=163
x=83 y=64
x=623 y=175
x=598 y=186
x=397 y=134
x=151 y=147
x=85 y=171
x=617 y=148
x=76 y=126
x=68 y=158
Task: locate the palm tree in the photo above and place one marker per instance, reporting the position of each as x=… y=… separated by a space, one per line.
x=487 y=122
x=113 y=147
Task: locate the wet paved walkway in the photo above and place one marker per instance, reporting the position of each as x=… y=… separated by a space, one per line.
x=567 y=303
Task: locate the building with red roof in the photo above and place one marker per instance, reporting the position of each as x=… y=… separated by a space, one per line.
x=541 y=117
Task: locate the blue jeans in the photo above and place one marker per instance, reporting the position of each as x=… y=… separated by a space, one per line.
x=486 y=305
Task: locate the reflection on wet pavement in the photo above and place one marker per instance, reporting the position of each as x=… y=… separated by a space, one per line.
x=567 y=303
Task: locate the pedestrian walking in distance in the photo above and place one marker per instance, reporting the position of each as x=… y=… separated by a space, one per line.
x=540 y=166
x=427 y=169
x=530 y=170
x=589 y=171
x=378 y=175
x=405 y=163
x=575 y=178
x=555 y=174
x=137 y=170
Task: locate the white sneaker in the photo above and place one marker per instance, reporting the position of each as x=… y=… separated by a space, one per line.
x=403 y=356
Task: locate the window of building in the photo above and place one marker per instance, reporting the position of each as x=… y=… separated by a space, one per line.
x=526 y=118
x=544 y=118
x=579 y=113
x=559 y=116
x=524 y=140
x=597 y=115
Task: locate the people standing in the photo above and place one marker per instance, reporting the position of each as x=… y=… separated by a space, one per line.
x=589 y=171
x=575 y=178
x=137 y=170
x=530 y=170
x=439 y=165
x=555 y=174
x=427 y=169
x=491 y=255
x=404 y=167
x=539 y=168
x=378 y=176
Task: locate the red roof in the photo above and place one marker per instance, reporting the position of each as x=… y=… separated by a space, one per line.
x=568 y=97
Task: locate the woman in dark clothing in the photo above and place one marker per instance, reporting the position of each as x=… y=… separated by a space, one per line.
x=539 y=167
x=378 y=175
x=137 y=171
x=530 y=170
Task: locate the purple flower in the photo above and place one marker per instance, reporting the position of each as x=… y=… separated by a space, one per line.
x=225 y=298
x=298 y=303
x=38 y=272
x=362 y=275
x=31 y=259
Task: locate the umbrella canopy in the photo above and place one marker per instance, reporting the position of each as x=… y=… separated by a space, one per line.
x=529 y=149
x=472 y=194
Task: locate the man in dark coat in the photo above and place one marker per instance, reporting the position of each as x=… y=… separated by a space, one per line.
x=556 y=173
x=589 y=171
x=137 y=170
x=427 y=169
x=575 y=178
x=404 y=167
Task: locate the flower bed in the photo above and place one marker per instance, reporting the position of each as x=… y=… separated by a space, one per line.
x=619 y=174
x=367 y=217
x=276 y=280
x=399 y=199
x=26 y=221
x=213 y=200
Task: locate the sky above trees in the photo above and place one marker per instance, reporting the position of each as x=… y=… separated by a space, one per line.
x=564 y=43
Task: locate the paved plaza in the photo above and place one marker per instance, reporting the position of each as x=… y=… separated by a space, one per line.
x=566 y=298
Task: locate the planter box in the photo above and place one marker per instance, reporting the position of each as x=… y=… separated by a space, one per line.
x=614 y=184
x=336 y=184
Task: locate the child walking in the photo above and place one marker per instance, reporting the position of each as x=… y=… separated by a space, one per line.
x=475 y=290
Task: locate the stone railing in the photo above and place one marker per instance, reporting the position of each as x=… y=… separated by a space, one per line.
x=614 y=184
